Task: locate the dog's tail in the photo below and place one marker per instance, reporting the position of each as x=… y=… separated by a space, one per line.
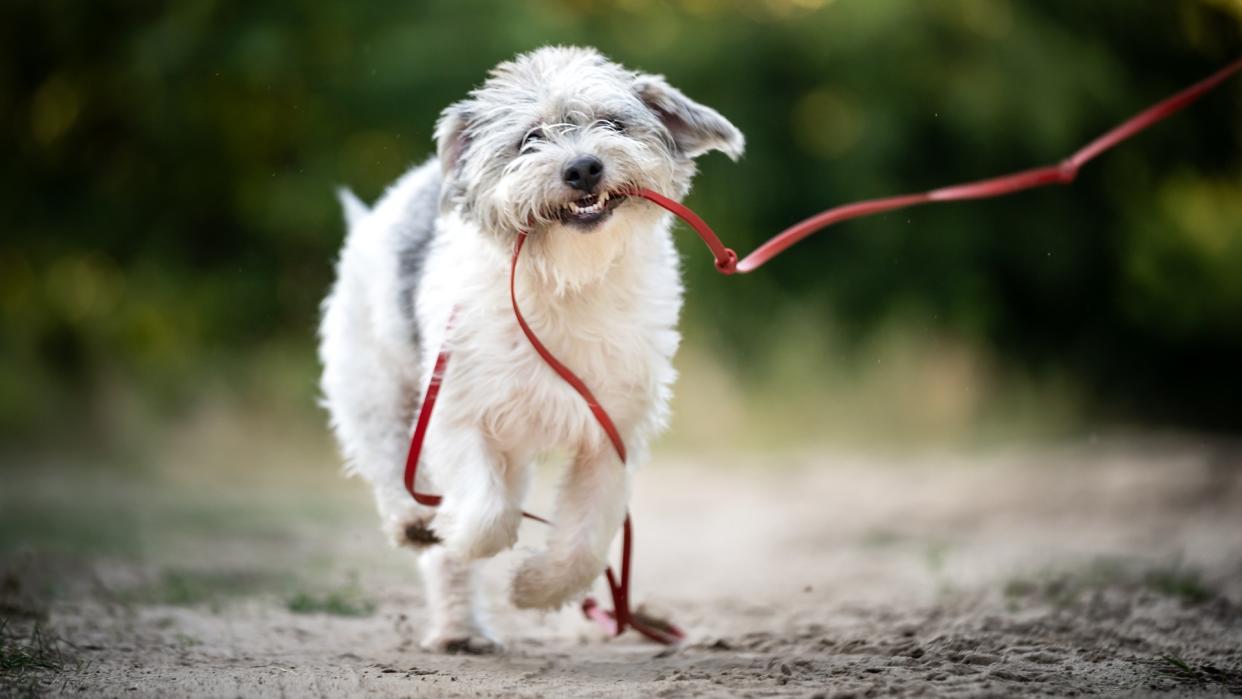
x=355 y=210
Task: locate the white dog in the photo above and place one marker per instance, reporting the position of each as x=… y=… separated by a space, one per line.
x=548 y=144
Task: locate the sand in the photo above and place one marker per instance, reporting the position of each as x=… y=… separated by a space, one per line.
x=1111 y=569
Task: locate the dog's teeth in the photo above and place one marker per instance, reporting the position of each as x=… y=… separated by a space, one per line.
x=598 y=201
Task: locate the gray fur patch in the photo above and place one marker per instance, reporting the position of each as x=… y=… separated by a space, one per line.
x=413 y=246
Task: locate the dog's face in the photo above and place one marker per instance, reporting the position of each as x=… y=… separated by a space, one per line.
x=555 y=137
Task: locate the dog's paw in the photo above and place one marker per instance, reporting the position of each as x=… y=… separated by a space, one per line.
x=411 y=527
x=541 y=584
x=476 y=643
x=415 y=533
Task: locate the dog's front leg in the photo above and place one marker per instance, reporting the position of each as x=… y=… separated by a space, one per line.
x=590 y=509
x=481 y=511
x=456 y=615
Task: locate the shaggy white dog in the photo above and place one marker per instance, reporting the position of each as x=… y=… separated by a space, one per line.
x=548 y=144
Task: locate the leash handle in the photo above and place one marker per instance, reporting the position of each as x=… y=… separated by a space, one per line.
x=1063 y=172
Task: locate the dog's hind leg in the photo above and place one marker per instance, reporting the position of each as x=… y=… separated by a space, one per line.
x=457 y=624
x=370 y=389
x=372 y=414
x=381 y=458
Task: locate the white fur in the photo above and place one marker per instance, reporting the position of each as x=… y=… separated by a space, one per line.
x=604 y=302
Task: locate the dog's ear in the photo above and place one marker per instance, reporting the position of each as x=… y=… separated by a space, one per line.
x=452 y=135
x=696 y=128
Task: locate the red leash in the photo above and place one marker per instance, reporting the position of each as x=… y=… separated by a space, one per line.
x=1063 y=172
x=616 y=621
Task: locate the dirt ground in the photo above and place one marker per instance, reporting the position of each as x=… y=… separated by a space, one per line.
x=1105 y=568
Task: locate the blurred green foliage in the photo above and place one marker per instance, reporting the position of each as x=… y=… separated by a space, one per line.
x=168 y=181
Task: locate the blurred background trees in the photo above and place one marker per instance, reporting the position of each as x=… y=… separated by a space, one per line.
x=170 y=225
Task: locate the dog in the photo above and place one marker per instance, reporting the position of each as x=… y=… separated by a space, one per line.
x=549 y=143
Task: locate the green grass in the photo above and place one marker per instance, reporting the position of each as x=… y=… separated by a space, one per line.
x=36 y=650
x=1199 y=675
x=347 y=602
x=1179 y=666
x=38 y=522
x=180 y=539
x=213 y=588
x=1067 y=588
x=188 y=588
x=1174 y=581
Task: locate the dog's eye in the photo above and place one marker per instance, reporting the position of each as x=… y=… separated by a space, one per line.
x=614 y=125
x=532 y=136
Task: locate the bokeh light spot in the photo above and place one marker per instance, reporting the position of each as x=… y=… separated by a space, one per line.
x=84 y=285
x=53 y=109
x=826 y=123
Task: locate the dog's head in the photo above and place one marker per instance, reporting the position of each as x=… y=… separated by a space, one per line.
x=555 y=137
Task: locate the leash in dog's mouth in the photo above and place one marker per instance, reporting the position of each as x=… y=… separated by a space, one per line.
x=589 y=211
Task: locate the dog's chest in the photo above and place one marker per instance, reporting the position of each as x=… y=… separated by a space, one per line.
x=617 y=333
x=621 y=348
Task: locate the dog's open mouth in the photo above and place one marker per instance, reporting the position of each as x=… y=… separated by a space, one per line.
x=588 y=211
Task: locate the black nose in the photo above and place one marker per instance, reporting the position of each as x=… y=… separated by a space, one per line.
x=583 y=173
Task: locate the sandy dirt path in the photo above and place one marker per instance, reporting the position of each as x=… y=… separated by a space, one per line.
x=1110 y=570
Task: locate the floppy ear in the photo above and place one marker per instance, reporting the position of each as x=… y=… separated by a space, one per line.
x=695 y=128
x=451 y=136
